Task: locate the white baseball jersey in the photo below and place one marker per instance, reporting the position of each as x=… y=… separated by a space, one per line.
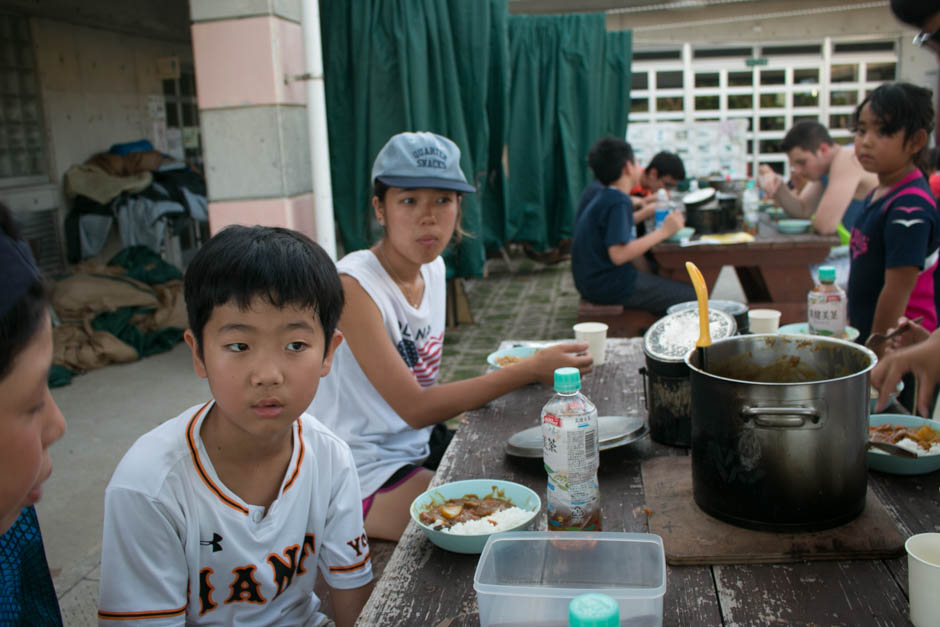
x=180 y=548
x=346 y=400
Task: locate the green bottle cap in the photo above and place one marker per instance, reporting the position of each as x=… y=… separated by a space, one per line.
x=593 y=610
x=567 y=379
x=827 y=274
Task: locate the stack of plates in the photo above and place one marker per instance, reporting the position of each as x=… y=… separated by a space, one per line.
x=614 y=431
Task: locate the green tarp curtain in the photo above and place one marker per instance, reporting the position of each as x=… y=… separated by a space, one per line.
x=445 y=66
x=570 y=86
x=414 y=65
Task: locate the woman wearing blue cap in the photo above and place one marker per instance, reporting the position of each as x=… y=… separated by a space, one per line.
x=30 y=422
x=380 y=395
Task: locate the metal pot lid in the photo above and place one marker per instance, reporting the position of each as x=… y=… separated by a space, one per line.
x=732 y=307
x=699 y=195
x=671 y=337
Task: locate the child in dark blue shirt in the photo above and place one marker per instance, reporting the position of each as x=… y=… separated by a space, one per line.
x=895 y=239
x=605 y=242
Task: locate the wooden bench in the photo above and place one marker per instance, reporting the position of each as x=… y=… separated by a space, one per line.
x=620 y=321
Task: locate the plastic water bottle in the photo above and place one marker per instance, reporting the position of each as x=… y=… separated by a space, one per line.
x=662 y=207
x=826 y=305
x=594 y=609
x=570 y=453
x=750 y=206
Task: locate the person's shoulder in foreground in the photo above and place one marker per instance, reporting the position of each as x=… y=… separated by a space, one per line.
x=30 y=422
x=224 y=514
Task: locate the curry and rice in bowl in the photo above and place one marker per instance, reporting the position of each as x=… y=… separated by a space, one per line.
x=461 y=515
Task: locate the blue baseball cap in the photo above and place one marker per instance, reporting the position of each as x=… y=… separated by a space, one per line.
x=422 y=159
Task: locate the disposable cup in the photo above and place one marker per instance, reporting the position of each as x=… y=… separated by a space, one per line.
x=595 y=334
x=923 y=578
x=763 y=320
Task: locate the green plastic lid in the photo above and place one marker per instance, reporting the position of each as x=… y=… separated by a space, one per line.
x=827 y=274
x=567 y=379
x=593 y=610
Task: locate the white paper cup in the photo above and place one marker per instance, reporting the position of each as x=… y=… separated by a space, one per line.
x=923 y=578
x=763 y=320
x=595 y=334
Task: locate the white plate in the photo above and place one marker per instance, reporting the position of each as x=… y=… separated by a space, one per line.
x=514 y=351
x=614 y=431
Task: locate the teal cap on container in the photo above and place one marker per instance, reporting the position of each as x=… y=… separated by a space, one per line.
x=827 y=274
x=593 y=610
x=567 y=379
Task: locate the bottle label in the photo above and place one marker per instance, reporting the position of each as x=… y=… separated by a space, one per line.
x=570 y=454
x=826 y=313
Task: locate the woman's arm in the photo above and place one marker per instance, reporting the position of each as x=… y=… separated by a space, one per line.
x=364 y=332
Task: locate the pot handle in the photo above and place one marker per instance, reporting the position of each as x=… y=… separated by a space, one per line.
x=773 y=416
x=643 y=372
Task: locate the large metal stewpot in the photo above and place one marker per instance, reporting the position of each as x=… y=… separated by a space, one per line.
x=780 y=430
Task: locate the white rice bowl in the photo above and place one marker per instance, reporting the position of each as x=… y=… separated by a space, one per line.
x=913 y=447
x=471 y=536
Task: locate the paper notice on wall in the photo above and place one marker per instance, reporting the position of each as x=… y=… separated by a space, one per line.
x=174 y=143
x=191 y=137
x=706 y=148
x=158 y=135
x=156 y=108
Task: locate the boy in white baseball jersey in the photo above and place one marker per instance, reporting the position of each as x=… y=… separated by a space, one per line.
x=222 y=515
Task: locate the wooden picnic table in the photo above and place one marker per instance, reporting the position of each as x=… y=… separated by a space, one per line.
x=425 y=585
x=773 y=269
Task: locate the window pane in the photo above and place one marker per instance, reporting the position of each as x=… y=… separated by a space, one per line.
x=775 y=123
x=881 y=71
x=639 y=81
x=840 y=121
x=844 y=73
x=809 y=75
x=169 y=87
x=773 y=100
x=770 y=145
x=706 y=80
x=773 y=77
x=673 y=103
x=669 y=80
x=740 y=79
x=172 y=118
x=707 y=103
x=837 y=98
x=806 y=98
x=639 y=105
x=750 y=121
x=740 y=101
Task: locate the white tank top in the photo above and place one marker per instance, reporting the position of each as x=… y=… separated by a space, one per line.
x=346 y=400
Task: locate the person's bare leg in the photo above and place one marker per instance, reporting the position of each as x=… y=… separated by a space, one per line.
x=389 y=515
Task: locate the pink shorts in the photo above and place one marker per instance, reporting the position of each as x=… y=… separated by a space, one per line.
x=401 y=475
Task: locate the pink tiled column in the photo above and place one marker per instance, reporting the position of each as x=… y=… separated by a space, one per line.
x=253 y=116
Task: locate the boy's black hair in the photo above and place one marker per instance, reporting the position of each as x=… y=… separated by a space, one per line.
x=667 y=164
x=283 y=267
x=807 y=135
x=914 y=12
x=607 y=158
x=901 y=107
x=19 y=324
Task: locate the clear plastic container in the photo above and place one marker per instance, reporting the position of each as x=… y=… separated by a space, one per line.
x=570 y=453
x=826 y=305
x=531 y=577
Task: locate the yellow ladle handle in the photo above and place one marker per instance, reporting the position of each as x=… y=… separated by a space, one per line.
x=701 y=293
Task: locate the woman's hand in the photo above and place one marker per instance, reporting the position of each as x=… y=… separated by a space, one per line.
x=923 y=360
x=544 y=362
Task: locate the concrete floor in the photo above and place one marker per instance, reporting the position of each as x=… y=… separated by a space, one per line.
x=108 y=409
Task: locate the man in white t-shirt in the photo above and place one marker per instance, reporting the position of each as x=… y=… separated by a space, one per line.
x=224 y=514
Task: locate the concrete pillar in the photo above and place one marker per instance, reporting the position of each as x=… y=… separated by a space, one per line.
x=253 y=115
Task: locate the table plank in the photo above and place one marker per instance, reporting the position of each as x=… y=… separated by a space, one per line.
x=424 y=585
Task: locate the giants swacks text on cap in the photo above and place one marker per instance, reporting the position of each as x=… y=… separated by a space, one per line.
x=422 y=159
